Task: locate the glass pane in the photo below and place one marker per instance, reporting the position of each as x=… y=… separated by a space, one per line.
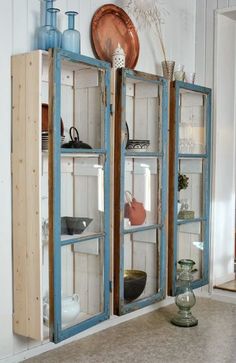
x=82 y=281
x=191 y=245
x=82 y=196
x=192 y=126
x=143 y=115
x=192 y=197
x=142 y=183
x=141 y=265
x=83 y=103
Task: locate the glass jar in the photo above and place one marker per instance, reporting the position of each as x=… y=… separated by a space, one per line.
x=185 y=298
x=54 y=33
x=43 y=31
x=71 y=37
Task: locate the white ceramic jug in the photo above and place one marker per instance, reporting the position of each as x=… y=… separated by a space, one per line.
x=70 y=309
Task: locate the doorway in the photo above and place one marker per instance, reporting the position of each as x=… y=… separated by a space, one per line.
x=223 y=211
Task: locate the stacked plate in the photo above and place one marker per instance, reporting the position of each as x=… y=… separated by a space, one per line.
x=45 y=140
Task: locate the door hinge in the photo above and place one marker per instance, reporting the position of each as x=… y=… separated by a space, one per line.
x=110 y=286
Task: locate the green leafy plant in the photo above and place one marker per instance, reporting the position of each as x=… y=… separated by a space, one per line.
x=182 y=181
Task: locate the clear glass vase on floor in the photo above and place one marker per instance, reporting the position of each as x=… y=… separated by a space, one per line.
x=43 y=31
x=185 y=298
x=71 y=37
x=54 y=34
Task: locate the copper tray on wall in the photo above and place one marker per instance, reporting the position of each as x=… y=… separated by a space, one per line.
x=110 y=26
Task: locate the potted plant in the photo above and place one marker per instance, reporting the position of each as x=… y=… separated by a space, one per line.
x=182 y=181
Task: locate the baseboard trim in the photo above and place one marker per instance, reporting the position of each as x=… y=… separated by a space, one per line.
x=223 y=279
x=224 y=296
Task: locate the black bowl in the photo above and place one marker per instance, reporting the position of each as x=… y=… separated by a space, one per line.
x=74 y=225
x=134 y=284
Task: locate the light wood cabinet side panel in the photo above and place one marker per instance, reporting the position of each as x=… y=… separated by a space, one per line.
x=26 y=92
x=19 y=195
x=33 y=180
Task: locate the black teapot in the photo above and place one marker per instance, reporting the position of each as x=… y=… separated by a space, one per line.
x=75 y=142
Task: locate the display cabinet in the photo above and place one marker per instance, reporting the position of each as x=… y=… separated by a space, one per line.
x=61 y=212
x=189 y=180
x=140 y=204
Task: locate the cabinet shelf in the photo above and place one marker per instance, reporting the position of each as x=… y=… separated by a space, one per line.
x=194 y=220
x=86 y=236
x=146 y=227
x=192 y=156
x=75 y=153
x=142 y=154
x=82 y=152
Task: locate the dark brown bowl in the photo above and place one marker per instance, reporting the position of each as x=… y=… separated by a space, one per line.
x=134 y=284
x=74 y=225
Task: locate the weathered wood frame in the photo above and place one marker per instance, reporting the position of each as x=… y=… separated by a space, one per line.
x=174 y=157
x=120 y=307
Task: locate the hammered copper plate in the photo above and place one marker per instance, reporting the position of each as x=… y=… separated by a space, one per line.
x=110 y=26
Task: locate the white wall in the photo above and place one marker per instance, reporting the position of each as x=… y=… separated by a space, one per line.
x=18 y=21
x=215 y=67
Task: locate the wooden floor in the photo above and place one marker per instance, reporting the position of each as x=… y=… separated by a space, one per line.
x=228 y=286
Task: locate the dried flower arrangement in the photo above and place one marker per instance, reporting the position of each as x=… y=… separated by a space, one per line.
x=149 y=14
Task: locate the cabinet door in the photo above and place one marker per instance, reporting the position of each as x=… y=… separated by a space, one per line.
x=79 y=195
x=189 y=180
x=140 y=190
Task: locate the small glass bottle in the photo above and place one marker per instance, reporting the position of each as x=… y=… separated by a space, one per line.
x=54 y=33
x=71 y=37
x=185 y=298
x=43 y=31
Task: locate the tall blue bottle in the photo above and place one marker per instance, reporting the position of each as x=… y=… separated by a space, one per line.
x=71 y=37
x=43 y=31
x=54 y=33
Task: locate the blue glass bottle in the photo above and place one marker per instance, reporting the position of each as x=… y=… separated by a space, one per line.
x=71 y=37
x=54 y=33
x=43 y=31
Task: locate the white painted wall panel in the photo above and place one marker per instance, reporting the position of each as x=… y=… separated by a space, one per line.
x=223 y=159
x=6 y=341
x=200 y=54
x=210 y=23
x=18 y=23
x=224 y=191
x=222 y=4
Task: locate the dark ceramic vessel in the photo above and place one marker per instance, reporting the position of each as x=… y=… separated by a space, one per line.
x=134 y=284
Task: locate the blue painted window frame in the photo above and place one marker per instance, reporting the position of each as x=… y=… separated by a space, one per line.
x=206 y=157
x=123 y=307
x=58 y=334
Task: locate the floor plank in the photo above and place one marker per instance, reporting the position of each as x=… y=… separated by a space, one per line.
x=228 y=286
